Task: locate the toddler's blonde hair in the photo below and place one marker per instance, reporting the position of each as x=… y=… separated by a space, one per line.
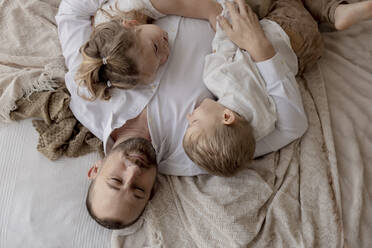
x=224 y=150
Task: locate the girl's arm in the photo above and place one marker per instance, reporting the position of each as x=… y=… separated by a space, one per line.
x=201 y=9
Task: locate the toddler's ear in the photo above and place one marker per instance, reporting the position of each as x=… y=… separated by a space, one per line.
x=228 y=117
x=130 y=23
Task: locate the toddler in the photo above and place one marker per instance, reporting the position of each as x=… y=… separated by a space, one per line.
x=221 y=136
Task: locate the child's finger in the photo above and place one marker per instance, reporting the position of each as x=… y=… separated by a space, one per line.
x=250 y=12
x=242 y=7
x=233 y=12
x=224 y=24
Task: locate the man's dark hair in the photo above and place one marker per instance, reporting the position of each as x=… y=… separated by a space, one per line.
x=107 y=223
x=112 y=224
x=132 y=144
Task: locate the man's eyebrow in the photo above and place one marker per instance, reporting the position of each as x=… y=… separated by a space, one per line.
x=112 y=186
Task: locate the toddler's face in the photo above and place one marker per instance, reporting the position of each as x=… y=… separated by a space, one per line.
x=204 y=117
x=152 y=50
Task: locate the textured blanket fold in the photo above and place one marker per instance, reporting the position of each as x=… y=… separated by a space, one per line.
x=60 y=132
x=30 y=55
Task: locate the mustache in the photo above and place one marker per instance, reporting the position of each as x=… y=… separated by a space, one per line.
x=138 y=145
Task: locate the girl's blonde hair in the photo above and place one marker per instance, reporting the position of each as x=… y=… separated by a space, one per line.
x=105 y=59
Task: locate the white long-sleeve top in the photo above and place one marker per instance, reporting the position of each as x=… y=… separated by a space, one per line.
x=232 y=76
x=175 y=92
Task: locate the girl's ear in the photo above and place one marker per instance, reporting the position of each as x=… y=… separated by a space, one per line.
x=228 y=117
x=130 y=23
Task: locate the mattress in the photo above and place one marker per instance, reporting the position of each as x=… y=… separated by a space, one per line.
x=42 y=202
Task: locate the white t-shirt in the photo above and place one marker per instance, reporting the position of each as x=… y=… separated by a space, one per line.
x=189 y=41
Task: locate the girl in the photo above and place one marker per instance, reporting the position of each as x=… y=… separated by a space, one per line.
x=126 y=49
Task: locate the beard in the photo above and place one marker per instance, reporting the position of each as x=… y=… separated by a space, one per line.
x=138 y=145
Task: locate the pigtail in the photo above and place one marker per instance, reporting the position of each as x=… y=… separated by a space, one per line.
x=88 y=75
x=105 y=61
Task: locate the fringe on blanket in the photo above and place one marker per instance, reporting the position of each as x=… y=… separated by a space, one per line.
x=47 y=81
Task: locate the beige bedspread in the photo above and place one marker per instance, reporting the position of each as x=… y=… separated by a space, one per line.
x=347 y=70
x=290 y=198
x=30 y=54
x=287 y=199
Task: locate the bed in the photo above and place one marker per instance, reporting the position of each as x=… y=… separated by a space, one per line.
x=313 y=193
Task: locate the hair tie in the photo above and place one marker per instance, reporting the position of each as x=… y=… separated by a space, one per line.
x=104 y=61
x=108 y=84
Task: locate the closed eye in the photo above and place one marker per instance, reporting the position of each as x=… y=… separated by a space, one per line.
x=140 y=189
x=155 y=48
x=116 y=180
x=139 y=193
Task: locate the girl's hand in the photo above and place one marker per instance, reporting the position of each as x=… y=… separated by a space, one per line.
x=246 y=32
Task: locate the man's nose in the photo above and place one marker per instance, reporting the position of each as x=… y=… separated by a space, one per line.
x=131 y=173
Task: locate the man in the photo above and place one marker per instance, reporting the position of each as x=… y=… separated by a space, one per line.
x=136 y=124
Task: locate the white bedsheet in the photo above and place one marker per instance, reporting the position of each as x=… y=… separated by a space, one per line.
x=42 y=202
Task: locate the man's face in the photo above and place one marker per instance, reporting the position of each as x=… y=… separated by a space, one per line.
x=123 y=181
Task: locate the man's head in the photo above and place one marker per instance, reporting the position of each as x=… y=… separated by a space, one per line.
x=123 y=183
x=218 y=139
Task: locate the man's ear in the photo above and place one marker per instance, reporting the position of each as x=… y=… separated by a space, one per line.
x=93 y=171
x=228 y=117
x=130 y=23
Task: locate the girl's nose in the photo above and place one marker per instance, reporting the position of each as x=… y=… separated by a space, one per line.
x=188 y=117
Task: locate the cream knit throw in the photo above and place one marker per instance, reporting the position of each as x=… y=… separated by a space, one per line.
x=30 y=53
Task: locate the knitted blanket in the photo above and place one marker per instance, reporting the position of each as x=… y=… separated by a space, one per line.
x=31 y=68
x=60 y=132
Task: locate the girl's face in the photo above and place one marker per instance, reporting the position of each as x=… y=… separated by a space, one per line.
x=151 y=50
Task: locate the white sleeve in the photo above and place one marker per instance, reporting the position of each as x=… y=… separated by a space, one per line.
x=291 y=118
x=279 y=73
x=145 y=6
x=74 y=27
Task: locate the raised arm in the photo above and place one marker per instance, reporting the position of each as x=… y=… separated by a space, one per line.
x=201 y=9
x=277 y=64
